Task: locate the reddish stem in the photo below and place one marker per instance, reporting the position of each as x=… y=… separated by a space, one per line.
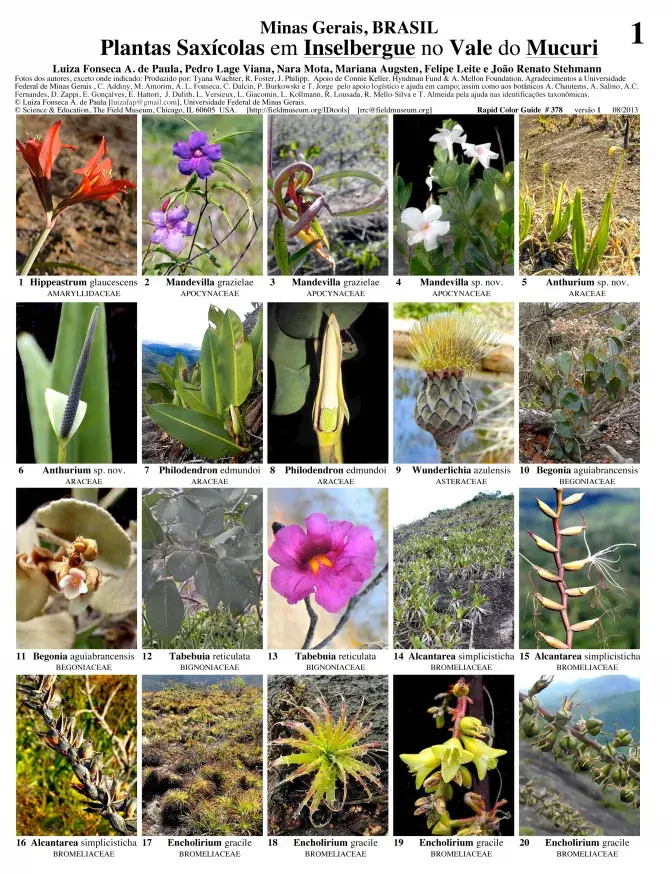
x=569 y=634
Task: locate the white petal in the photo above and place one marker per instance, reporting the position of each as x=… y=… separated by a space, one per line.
x=56 y=401
x=429 y=182
x=415 y=237
x=440 y=228
x=468 y=149
x=458 y=130
x=432 y=213
x=430 y=240
x=412 y=217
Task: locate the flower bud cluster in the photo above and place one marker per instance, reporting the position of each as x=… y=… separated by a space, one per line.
x=552 y=806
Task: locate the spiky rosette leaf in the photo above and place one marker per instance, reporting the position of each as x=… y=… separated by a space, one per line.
x=330 y=752
x=451 y=342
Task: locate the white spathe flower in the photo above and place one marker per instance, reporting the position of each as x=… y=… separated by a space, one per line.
x=481 y=153
x=445 y=138
x=425 y=227
x=73 y=584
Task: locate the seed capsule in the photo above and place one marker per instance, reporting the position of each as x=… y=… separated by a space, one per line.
x=546 y=509
x=576 y=593
x=584 y=626
x=553 y=641
x=571 y=531
x=573 y=499
x=542 y=544
x=547 y=603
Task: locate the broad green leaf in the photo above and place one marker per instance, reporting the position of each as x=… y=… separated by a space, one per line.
x=203 y=434
x=615 y=346
x=93 y=442
x=590 y=362
x=211 y=385
x=280 y=247
x=240 y=586
x=564 y=362
x=209 y=584
x=559 y=416
x=235 y=356
x=159 y=393
x=181 y=564
x=119 y=594
x=164 y=609
x=299 y=320
x=213 y=523
x=291 y=388
x=346 y=313
x=151 y=530
x=147 y=575
x=184 y=533
x=190 y=512
x=613 y=388
x=619 y=322
x=37 y=374
x=578 y=231
x=253 y=516
x=564 y=430
x=283 y=349
x=166 y=372
x=257 y=336
x=179 y=367
x=190 y=396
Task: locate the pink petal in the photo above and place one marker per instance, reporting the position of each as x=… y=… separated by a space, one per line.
x=290 y=546
x=339 y=533
x=335 y=589
x=319 y=533
x=359 y=554
x=292 y=584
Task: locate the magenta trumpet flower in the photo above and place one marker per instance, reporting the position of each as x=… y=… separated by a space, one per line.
x=197 y=155
x=331 y=560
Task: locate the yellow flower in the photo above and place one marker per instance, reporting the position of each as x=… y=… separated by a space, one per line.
x=421 y=764
x=484 y=757
x=443 y=826
x=451 y=754
x=470 y=726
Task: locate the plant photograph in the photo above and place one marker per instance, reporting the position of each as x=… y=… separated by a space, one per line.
x=75 y=374
x=578 y=205
x=328 y=382
x=327 y=195
x=201 y=195
x=202 y=568
x=202 y=755
x=579 y=569
x=76 y=755
x=579 y=753
x=579 y=383
x=327 y=756
x=453 y=383
x=453 y=569
x=76 y=568
x=455 y=775
x=76 y=210
x=202 y=378
x=328 y=567
x=454 y=191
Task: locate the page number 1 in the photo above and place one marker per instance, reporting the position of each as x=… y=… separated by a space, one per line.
x=638 y=34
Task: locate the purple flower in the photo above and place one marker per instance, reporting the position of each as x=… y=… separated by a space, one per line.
x=196 y=155
x=330 y=559
x=170 y=228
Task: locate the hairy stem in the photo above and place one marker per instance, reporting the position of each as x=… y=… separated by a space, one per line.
x=35 y=251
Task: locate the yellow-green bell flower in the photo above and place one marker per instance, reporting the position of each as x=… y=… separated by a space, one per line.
x=443 y=827
x=421 y=764
x=484 y=757
x=470 y=726
x=465 y=776
x=451 y=754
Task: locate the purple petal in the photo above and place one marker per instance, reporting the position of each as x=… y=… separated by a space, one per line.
x=319 y=533
x=359 y=554
x=188 y=166
x=159 y=236
x=292 y=584
x=213 y=151
x=290 y=546
x=339 y=533
x=334 y=590
x=174 y=242
x=176 y=214
x=197 y=139
x=157 y=218
x=203 y=167
x=186 y=228
x=181 y=150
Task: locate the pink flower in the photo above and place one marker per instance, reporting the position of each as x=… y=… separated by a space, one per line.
x=330 y=559
x=73 y=584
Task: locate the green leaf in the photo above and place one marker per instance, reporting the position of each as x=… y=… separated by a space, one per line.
x=184 y=533
x=37 y=374
x=164 y=609
x=181 y=564
x=559 y=416
x=346 y=313
x=159 y=393
x=203 y=434
x=564 y=430
x=291 y=388
x=564 y=362
x=236 y=168
x=280 y=247
x=209 y=584
x=253 y=517
x=240 y=586
x=590 y=362
x=619 y=322
x=166 y=372
x=211 y=385
x=570 y=400
x=190 y=512
x=615 y=346
x=93 y=442
x=257 y=336
x=299 y=320
x=179 y=367
x=190 y=396
x=614 y=388
x=213 y=523
x=283 y=349
x=298 y=257
x=230 y=138
x=151 y=530
x=236 y=189
x=235 y=358
x=578 y=231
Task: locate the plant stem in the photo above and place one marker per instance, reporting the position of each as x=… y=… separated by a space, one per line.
x=569 y=634
x=35 y=251
x=62 y=453
x=198 y=224
x=313 y=622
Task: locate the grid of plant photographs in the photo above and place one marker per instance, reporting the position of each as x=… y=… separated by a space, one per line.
x=322 y=601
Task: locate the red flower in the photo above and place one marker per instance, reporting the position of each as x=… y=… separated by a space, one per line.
x=40 y=156
x=97 y=182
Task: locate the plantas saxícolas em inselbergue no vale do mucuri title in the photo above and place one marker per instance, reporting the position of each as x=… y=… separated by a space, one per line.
x=202 y=568
x=201 y=187
x=465 y=225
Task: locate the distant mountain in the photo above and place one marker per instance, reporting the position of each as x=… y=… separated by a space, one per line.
x=156 y=682
x=154 y=354
x=613 y=698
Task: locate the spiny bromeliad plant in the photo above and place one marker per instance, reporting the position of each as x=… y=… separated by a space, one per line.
x=208 y=412
x=74 y=565
x=448 y=346
x=202 y=551
x=611 y=760
x=299 y=197
x=95 y=184
x=294 y=332
x=330 y=752
x=604 y=567
x=214 y=186
x=107 y=795
x=439 y=768
x=554 y=807
x=470 y=230
x=578 y=388
x=68 y=398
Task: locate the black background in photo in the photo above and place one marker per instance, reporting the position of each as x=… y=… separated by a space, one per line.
x=414 y=153
x=365 y=384
x=124 y=509
x=415 y=730
x=41 y=320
